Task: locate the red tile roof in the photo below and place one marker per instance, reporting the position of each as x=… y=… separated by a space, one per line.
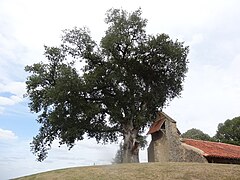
x=156 y=126
x=215 y=149
x=161 y=117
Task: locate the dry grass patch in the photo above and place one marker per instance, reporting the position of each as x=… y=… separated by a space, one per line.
x=156 y=171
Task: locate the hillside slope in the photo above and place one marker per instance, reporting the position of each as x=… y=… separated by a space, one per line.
x=154 y=171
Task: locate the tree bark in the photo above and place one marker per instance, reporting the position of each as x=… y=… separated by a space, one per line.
x=130 y=145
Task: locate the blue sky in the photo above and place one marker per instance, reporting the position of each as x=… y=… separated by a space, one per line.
x=211 y=90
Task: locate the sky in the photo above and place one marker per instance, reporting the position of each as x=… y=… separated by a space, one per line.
x=211 y=92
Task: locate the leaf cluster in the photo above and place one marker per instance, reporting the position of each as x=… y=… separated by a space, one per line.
x=229 y=131
x=196 y=134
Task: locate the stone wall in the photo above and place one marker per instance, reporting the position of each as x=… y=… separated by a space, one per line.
x=167 y=147
x=161 y=143
x=173 y=138
x=192 y=154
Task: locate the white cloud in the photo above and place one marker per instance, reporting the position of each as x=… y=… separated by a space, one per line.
x=211 y=95
x=9 y=101
x=233 y=70
x=17 y=158
x=7 y=135
x=1 y=109
x=17 y=88
x=11 y=94
x=84 y=153
x=196 y=38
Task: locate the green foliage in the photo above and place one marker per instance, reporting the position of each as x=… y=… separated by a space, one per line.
x=196 y=134
x=119 y=155
x=118 y=89
x=229 y=131
x=142 y=140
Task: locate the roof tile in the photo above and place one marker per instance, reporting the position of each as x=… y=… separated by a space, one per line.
x=161 y=117
x=156 y=126
x=215 y=149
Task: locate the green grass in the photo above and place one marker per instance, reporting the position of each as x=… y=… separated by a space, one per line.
x=156 y=171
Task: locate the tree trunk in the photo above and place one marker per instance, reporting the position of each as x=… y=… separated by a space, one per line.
x=130 y=146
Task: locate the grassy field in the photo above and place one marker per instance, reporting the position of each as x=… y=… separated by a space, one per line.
x=156 y=171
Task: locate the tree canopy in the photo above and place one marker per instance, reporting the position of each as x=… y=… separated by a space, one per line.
x=196 y=134
x=229 y=131
x=123 y=81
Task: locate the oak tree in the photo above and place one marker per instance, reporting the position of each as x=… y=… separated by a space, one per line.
x=196 y=134
x=229 y=131
x=123 y=81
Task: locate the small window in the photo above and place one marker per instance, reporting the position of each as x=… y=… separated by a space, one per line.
x=157 y=135
x=163 y=126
